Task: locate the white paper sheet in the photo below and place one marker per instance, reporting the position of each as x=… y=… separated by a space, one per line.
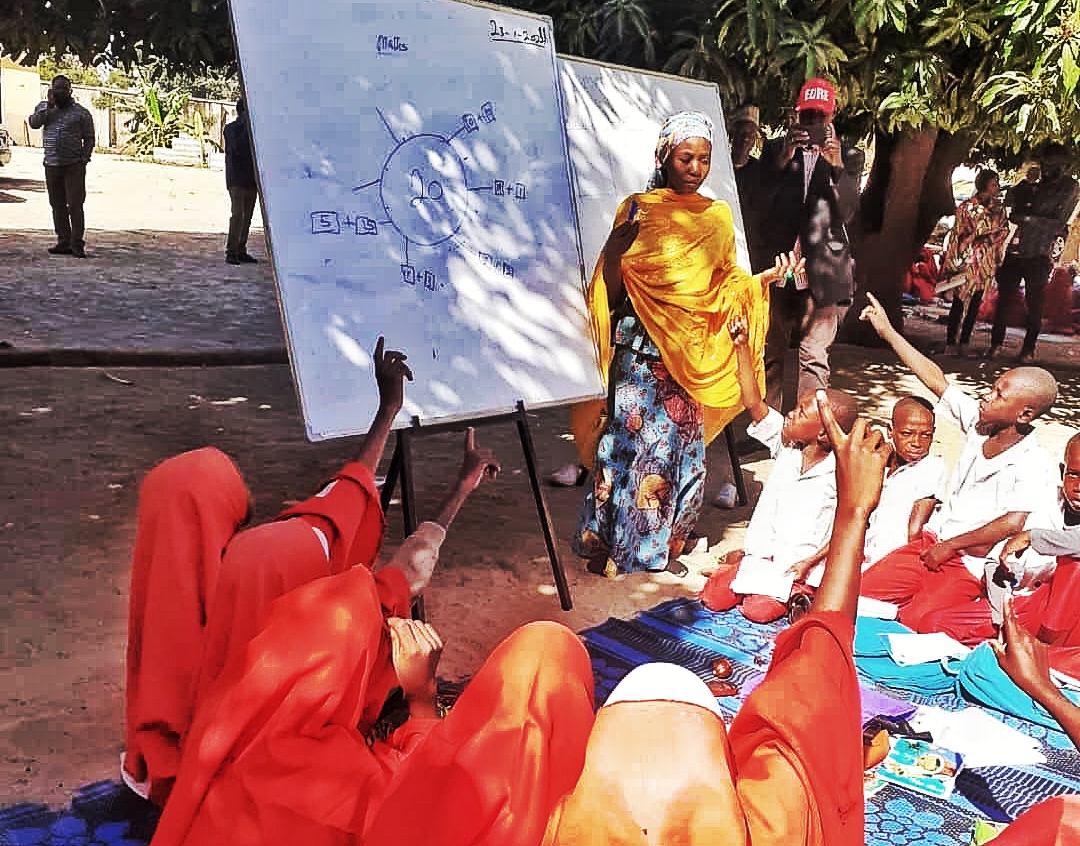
x=983 y=740
x=909 y=649
x=764 y=577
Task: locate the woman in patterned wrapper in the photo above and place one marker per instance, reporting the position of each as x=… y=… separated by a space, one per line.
x=975 y=249
x=665 y=285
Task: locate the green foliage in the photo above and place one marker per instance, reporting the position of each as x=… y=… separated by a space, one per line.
x=51 y=65
x=156 y=119
x=1004 y=72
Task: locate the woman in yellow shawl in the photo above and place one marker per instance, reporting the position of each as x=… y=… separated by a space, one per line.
x=666 y=284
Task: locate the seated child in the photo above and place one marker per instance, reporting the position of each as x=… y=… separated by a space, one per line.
x=913 y=480
x=1040 y=567
x=789 y=529
x=1001 y=476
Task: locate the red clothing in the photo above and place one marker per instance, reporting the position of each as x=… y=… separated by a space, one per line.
x=278 y=753
x=268 y=561
x=512 y=746
x=1054 y=822
x=717 y=594
x=954 y=602
x=189 y=507
x=788 y=772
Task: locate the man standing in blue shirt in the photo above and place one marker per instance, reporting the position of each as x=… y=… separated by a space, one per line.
x=68 y=139
x=240 y=180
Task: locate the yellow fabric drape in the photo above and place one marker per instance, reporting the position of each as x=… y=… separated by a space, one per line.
x=685 y=285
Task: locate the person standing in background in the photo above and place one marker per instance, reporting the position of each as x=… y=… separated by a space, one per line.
x=1041 y=212
x=68 y=139
x=800 y=173
x=240 y=180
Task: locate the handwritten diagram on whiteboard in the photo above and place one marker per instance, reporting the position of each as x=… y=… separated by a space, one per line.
x=613 y=115
x=414 y=172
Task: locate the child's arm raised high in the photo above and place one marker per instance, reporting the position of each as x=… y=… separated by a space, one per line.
x=927 y=372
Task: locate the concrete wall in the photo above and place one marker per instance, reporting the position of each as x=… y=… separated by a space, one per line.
x=20 y=92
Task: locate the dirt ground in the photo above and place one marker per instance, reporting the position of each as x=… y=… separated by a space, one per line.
x=77 y=441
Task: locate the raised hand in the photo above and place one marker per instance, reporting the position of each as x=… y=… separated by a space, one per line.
x=478 y=463
x=415 y=652
x=391 y=371
x=1024 y=658
x=874 y=314
x=861 y=458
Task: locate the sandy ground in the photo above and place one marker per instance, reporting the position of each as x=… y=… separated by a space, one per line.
x=78 y=440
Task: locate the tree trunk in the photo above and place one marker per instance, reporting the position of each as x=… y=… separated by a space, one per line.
x=909 y=190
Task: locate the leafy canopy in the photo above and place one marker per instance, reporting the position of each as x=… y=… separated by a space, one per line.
x=1004 y=72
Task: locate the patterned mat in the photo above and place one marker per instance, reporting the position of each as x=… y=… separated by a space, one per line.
x=683 y=632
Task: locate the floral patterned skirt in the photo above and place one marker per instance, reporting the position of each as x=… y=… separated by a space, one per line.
x=649 y=475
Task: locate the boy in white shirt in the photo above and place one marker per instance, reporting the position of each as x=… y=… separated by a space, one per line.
x=789 y=529
x=1002 y=475
x=1042 y=565
x=913 y=480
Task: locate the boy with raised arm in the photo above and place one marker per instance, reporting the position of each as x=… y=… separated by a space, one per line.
x=789 y=530
x=1001 y=476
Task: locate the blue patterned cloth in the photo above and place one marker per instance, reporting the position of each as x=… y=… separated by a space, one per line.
x=649 y=474
x=684 y=632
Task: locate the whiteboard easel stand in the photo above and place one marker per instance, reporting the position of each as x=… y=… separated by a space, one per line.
x=401 y=467
x=736 y=467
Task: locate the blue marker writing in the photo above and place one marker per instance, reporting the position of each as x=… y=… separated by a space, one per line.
x=633 y=211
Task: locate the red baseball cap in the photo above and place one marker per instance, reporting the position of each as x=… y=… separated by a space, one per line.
x=817 y=94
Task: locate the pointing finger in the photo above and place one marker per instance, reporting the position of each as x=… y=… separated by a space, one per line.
x=828 y=419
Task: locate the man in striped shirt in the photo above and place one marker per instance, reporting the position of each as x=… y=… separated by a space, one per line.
x=68 y=139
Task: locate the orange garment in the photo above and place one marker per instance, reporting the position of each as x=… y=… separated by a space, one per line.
x=189 y=507
x=512 y=746
x=278 y=752
x=788 y=772
x=269 y=560
x=684 y=283
x=1054 y=822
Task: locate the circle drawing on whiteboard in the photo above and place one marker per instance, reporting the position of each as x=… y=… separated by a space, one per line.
x=424 y=190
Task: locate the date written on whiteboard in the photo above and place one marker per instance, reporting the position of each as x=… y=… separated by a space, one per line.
x=537 y=37
x=333 y=223
x=388 y=45
x=496 y=263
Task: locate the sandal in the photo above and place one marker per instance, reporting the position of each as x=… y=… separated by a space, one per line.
x=676 y=568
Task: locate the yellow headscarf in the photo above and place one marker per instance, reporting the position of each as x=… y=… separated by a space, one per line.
x=683 y=280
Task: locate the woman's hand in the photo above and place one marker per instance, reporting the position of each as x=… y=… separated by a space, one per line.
x=786 y=267
x=737 y=328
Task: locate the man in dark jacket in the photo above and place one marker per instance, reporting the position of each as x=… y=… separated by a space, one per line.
x=801 y=211
x=68 y=138
x=1041 y=212
x=240 y=180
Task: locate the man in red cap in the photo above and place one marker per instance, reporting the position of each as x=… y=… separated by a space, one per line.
x=801 y=173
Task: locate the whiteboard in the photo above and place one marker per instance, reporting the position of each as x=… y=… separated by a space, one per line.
x=613 y=116
x=415 y=179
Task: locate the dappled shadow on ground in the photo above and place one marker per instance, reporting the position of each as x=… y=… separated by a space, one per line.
x=16 y=184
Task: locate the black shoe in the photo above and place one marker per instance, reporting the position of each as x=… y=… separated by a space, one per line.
x=232 y=258
x=60 y=250
x=78 y=252
x=247 y=258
